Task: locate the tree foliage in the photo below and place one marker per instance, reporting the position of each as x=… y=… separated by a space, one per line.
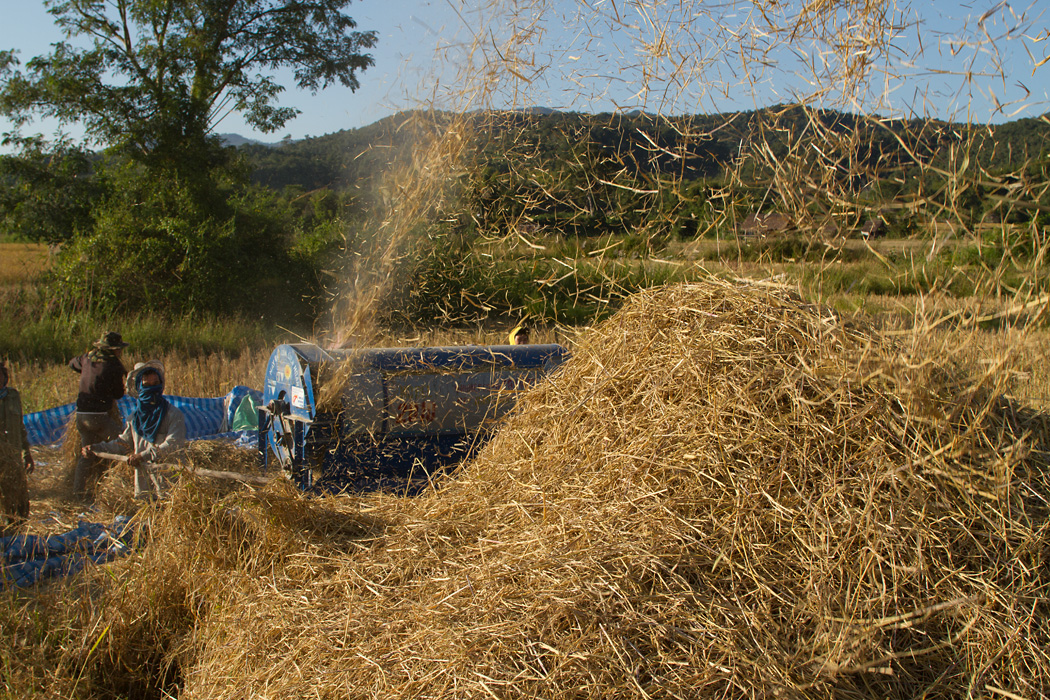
x=166 y=216
x=160 y=246
x=158 y=75
x=47 y=193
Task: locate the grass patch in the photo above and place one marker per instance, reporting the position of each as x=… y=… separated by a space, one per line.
x=56 y=338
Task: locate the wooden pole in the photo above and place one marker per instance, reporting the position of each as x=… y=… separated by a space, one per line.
x=212 y=473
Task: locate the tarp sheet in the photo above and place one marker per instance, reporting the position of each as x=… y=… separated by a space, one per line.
x=206 y=418
x=27 y=559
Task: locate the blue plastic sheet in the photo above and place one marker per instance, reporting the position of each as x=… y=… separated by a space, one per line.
x=206 y=418
x=27 y=559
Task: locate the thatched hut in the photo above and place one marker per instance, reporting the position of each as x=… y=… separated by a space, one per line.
x=758 y=225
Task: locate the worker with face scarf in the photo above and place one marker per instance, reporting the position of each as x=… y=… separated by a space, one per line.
x=153 y=431
x=16 y=462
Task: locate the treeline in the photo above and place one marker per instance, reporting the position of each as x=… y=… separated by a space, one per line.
x=267 y=229
x=595 y=174
x=688 y=147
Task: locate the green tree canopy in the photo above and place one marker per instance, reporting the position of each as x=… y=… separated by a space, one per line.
x=165 y=217
x=48 y=192
x=155 y=76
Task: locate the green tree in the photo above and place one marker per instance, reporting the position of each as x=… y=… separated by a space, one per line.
x=160 y=246
x=148 y=80
x=158 y=75
x=47 y=193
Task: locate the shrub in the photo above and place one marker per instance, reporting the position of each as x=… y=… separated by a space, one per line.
x=175 y=246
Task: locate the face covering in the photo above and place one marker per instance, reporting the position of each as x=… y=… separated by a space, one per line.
x=150 y=411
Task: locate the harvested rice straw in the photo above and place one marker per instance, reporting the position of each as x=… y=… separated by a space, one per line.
x=725 y=492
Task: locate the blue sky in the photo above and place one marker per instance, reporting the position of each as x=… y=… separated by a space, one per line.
x=408 y=31
x=594 y=56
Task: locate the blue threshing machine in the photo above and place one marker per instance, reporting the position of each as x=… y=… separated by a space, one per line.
x=388 y=418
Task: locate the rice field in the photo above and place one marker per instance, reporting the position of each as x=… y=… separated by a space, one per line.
x=21 y=261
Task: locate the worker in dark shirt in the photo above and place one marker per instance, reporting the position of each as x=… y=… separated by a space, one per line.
x=101 y=383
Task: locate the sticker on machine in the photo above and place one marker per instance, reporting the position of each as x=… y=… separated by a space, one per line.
x=298 y=397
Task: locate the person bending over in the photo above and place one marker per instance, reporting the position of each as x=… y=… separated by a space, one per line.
x=97 y=419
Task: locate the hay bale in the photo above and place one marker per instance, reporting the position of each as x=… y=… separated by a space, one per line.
x=725 y=492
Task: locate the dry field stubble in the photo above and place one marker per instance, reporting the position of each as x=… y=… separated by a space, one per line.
x=21 y=261
x=726 y=492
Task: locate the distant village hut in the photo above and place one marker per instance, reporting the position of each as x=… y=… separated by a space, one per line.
x=758 y=225
x=873 y=228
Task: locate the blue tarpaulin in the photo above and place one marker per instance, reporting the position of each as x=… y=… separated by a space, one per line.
x=206 y=418
x=26 y=559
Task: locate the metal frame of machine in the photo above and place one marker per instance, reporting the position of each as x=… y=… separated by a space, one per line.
x=384 y=418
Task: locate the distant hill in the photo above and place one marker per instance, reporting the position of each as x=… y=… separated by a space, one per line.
x=236 y=140
x=691 y=147
x=542 y=111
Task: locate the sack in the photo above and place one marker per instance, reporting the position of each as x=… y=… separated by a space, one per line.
x=246 y=417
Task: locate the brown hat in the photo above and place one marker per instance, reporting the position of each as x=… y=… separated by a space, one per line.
x=110 y=340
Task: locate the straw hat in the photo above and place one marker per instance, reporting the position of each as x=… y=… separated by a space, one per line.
x=110 y=340
x=132 y=384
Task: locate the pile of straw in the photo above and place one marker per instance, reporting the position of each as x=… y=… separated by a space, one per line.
x=725 y=492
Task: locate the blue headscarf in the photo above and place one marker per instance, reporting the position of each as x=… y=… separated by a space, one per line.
x=150 y=412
